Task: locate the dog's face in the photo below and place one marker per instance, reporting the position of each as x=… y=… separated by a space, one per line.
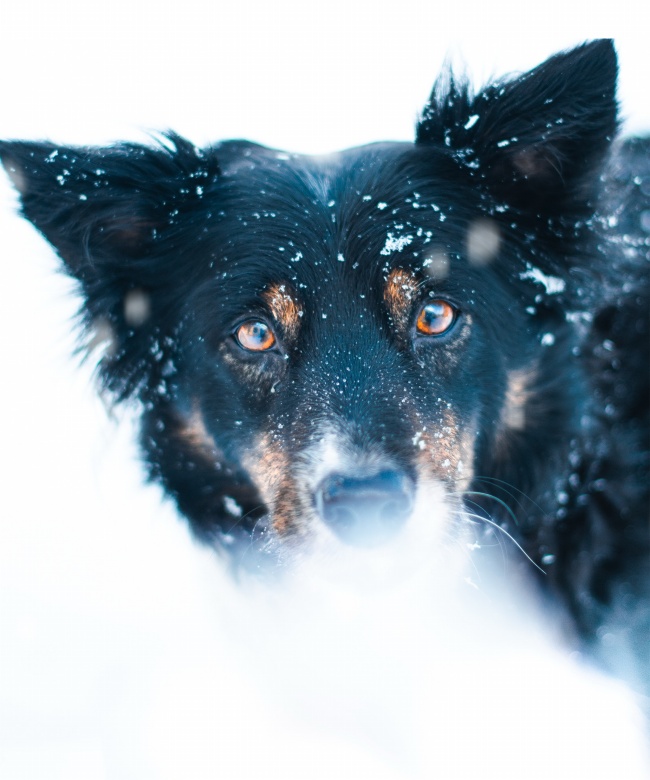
x=352 y=338
x=337 y=347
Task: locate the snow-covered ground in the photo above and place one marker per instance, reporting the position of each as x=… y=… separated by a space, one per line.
x=125 y=652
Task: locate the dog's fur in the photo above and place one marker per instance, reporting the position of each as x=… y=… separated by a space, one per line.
x=530 y=412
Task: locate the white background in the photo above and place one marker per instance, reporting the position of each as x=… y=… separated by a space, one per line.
x=113 y=660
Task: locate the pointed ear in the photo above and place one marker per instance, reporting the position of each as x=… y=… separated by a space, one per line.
x=103 y=207
x=536 y=141
x=117 y=216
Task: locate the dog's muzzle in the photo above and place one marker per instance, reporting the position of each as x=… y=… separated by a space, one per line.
x=366 y=511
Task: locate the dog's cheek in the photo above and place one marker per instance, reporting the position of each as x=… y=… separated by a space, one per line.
x=269 y=466
x=445 y=470
x=446 y=451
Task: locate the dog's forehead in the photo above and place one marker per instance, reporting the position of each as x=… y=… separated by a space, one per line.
x=350 y=217
x=391 y=177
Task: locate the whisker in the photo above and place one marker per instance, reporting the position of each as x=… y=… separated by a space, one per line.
x=250 y=546
x=493 y=498
x=503 y=485
x=243 y=517
x=487 y=520
x=479 y=519
x=466 y=554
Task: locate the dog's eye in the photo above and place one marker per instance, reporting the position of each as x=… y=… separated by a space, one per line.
x=255 y=336
x=436 y=318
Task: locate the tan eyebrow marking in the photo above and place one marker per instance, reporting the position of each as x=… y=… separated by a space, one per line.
x=399 y=292
x=285 y=307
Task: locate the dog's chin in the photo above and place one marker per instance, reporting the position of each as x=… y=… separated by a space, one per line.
x=433 y=538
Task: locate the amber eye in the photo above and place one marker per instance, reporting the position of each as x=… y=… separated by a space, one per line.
x=436 y=318
x=255 y=336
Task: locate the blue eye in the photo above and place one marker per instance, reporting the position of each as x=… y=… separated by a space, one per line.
x=255 y=336
x=436 y=318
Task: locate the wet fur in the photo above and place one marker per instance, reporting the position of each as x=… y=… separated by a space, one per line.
x=535 y=404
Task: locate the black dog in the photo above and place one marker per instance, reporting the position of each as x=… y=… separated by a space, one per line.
x=400 y=339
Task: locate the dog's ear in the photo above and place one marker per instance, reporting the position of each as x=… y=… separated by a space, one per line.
x=116 y=216
x=105 y=208
x=536 y=141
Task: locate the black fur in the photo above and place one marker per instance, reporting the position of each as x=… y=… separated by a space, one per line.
x=198 y=237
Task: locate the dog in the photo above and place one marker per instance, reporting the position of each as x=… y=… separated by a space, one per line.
x=443 y=341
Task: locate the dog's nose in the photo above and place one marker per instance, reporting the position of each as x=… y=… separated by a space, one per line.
x=366 y=511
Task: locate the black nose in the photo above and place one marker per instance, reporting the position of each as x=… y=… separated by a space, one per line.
x=365 y=511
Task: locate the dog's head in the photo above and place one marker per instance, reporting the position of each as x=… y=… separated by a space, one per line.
x=340 y=344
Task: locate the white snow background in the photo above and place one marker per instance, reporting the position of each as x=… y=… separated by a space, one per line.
x=125 y=651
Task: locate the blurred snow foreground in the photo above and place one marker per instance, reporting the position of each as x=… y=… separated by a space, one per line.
x=340 y=671
x=404 y=677
x=327 y=676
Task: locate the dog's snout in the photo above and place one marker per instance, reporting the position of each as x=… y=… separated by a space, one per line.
x=366 y=511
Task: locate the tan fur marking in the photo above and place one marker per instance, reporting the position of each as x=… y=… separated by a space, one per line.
x=285 y=509
x=446 y=453
x=399 y=292
x=284 y=307
x=194 y=432
x=518 y=393
x=269 y=465
x=513 y=414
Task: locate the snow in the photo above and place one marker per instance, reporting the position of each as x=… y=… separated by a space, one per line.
x=232 y=507
x=395 y=243
x=126 y=650
x=552 y=284
x=137 y=308
x=483 y=241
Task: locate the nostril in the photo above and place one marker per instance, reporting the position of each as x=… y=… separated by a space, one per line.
x=365 y=511
x=401 y=508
